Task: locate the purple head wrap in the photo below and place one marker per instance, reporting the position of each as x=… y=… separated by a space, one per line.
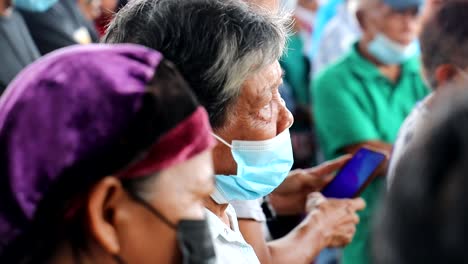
x=59 y=110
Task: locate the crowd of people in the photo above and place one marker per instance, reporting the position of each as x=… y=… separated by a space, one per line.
x=203 y=131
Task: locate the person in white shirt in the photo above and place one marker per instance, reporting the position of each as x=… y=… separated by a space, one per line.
x=228 y=52
x=444 y=48
x=229 y=242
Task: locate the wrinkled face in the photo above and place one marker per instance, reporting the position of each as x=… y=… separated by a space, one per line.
x=258 y=114
x=400 y=26
x=177 y=193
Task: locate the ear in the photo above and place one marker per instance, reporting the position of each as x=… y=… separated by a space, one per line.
x=444 y=74
x=105 y=201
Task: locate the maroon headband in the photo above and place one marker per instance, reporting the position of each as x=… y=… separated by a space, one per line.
x=189 y=138
x=69 y=106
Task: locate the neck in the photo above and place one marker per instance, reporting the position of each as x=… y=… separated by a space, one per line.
x=429 y=101
x=166 y=253
x=218 y=209
x=65 y=255
x=392 y=72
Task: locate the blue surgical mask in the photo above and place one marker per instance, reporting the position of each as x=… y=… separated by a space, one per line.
x=261 y=167
x=390 y=52
x=35 y=5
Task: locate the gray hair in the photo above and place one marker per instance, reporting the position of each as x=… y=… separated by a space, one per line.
x=216 y=44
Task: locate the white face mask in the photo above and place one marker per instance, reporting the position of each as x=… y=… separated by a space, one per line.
x=390 y=52
x=261 y=167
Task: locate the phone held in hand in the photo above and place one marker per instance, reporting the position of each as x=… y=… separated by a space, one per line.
x=355 y=175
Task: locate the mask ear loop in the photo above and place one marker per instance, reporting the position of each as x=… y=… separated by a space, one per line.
x=153 y=210
x=221 y=140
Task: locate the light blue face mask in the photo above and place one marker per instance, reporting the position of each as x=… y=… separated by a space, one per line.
x=261 y=167
x=34 y=5
x=389 y=52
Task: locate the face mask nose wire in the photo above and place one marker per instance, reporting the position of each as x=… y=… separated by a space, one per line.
x=221 y=140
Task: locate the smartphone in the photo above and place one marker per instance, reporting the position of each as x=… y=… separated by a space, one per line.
x=355 y=175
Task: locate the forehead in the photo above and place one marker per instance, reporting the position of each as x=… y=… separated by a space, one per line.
x=382 y=15
x=259 y=86
x=266 y=77
x=269 y=75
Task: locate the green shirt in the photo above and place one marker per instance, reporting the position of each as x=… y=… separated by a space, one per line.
x=353 y=103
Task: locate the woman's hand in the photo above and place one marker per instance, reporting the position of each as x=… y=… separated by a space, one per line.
x=336 y=219
x=290 y=197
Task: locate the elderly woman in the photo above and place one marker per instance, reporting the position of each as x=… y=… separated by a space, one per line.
x=229 y=54
x=105 y=158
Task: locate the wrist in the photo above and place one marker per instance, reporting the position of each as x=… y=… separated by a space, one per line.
x=311 y=232
x=271 y=209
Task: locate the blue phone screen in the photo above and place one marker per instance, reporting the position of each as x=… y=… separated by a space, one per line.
x=354 y=174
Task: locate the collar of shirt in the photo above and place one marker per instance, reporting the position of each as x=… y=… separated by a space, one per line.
x=219 y=229
x=369 y=71
x=424 y=105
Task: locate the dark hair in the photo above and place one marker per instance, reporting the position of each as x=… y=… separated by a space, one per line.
x=216 y=44
x=168 y=101
x=444 y=39
x=425 y=215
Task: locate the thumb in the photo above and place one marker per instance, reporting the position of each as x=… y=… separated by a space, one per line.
x=358 y=204
x=314 y=200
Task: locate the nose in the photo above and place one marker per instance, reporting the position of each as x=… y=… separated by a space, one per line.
x=285 y=117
